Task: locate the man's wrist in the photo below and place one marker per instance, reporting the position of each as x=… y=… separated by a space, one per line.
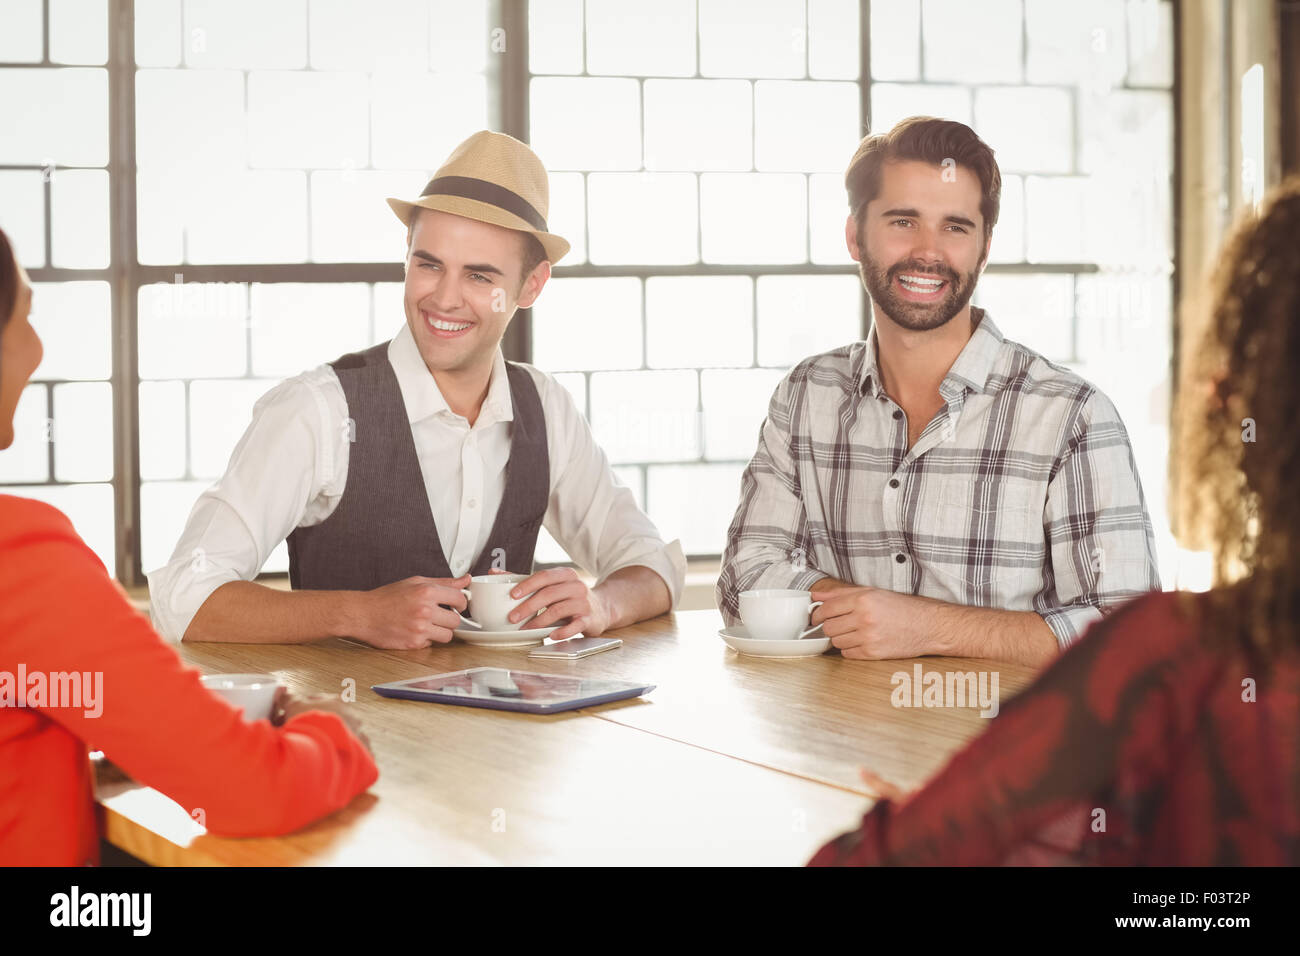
x=935 y=626
x=958 y=630
x=345 y=613
x=604 y=608
x=609 y=613
x=829 y=583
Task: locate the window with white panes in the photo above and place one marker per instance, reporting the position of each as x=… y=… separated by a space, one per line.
x=54 y=205
x=275 y=147
x=1077 y=102
x=697 y=153
x=697 y=150
x=708 y=205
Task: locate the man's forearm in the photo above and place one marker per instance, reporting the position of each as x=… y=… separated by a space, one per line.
x=243 y=612
x=956 y=630
x=960 y=631
x=633 y=594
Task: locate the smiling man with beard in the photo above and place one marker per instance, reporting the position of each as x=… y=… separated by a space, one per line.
x=397 y=472
x=944 y=490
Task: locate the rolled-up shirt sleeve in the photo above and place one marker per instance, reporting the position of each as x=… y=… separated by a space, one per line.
x=768 y=544
x=281 y=465
x=1099 y=534
x=592 y=515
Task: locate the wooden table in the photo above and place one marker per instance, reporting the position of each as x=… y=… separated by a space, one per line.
x=730 y=760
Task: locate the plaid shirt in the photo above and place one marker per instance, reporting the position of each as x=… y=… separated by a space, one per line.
x=1021 y=493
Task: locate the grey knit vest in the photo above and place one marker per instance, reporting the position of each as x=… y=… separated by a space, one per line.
x=382 y=529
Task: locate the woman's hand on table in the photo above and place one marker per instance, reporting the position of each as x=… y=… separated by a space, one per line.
x=883 y=789
x=286 y=706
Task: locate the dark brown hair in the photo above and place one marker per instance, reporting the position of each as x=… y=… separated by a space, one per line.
x=928 y=140
x=1238 y=445
x=8 y=280
x=534 y=253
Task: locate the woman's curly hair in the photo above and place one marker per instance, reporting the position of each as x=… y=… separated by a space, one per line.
x=1238 y=440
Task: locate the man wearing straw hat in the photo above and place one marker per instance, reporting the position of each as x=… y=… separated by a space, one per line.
x=398 y=472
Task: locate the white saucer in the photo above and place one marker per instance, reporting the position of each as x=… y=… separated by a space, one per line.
x=516 y=638
x=738 y=640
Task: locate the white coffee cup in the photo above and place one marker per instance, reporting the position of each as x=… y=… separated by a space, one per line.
x=777 y=615
x=490 y=602
x=252 y=693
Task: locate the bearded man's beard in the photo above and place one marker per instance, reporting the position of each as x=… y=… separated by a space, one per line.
x=917 y=316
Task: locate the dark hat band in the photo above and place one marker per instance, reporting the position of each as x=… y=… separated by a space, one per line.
x=493 y=194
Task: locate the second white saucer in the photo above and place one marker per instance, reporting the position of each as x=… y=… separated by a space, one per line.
x=738 y=639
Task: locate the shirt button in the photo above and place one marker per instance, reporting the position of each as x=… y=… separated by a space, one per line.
x=893 y=482
x=900 y=558
x=473 y=502
x=897 y=414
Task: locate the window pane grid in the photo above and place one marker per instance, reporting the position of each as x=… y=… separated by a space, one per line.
x=703 y=149
x=1108 y=67
x=1077 y=102
x=54 y=204
x=303 y=126
x=208 y=352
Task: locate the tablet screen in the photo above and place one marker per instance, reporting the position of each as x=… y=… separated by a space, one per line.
x=496 y=686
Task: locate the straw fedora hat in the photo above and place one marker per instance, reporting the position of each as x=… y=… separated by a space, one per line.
x=493 y=178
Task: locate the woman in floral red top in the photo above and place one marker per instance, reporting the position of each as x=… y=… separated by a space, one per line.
x=1170 y=735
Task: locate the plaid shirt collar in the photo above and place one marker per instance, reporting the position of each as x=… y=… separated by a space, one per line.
x=970 y=370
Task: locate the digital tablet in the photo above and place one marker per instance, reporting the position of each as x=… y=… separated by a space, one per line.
x=503 y=689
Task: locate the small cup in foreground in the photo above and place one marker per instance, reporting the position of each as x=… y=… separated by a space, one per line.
x=252 y=693
x=490 y=602
x=777 y=614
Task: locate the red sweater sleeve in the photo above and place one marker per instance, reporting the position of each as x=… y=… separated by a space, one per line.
x=1106 y=719
x=60 y=612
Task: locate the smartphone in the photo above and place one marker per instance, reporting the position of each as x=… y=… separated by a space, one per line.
x=576 y=647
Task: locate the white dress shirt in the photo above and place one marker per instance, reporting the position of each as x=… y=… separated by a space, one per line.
x=291 y=466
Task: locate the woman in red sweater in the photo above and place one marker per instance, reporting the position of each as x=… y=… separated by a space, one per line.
x=1170 y=735
x=61 y=613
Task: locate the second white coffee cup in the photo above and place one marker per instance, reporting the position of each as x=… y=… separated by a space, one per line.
x=490 y=602
x=252 y=693
x=776 y=614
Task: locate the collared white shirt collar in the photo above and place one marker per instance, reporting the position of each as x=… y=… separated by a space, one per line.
x=423 y=398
